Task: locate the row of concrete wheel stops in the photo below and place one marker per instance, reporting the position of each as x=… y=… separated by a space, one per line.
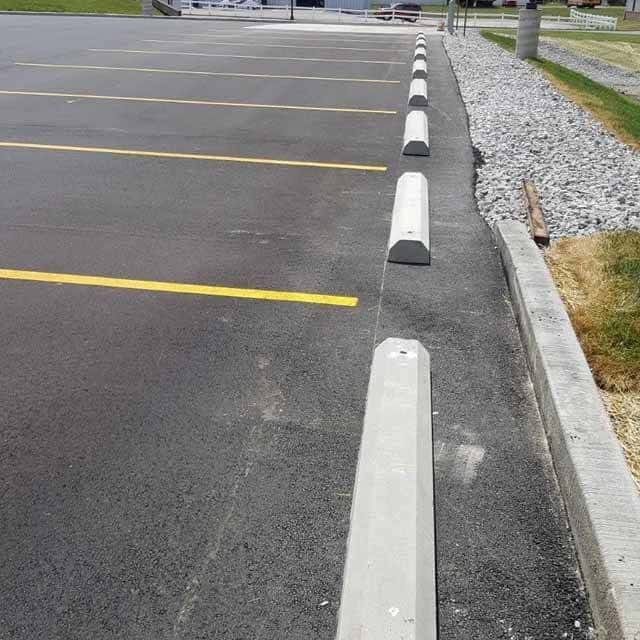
x=389 y=585
x=389 y=589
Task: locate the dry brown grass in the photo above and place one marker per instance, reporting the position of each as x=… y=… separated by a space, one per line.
x=598 y=278
x=624 y=409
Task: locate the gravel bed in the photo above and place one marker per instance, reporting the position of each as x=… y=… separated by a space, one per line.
x=627 y=82
x=521 y=127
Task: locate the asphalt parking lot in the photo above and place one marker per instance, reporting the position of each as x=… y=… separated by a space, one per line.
x=182 y=462
x=194 y=221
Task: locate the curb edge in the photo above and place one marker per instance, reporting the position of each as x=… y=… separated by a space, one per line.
x=601 y=500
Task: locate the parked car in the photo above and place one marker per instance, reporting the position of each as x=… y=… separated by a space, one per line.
x=401 y=11
x=584 y=4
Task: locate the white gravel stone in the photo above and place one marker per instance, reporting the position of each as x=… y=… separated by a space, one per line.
x=522 y=127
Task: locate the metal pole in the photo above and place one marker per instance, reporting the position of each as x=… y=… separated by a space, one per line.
x=291 y=16
x=466 y=10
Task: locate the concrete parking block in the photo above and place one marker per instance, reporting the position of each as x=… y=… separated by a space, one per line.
x=416 y=134
x=418 y=93
x=389 y=590
x=419 y=69
x=409 y=237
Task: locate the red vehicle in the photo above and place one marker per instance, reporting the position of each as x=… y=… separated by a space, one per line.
x=400 y=11
x=584 y=4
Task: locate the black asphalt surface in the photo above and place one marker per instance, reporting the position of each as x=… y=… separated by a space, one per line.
x=506 y=560
x=181 y=467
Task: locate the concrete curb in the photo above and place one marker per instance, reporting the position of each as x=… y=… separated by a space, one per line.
x=389 y=590
x=416 y=134
x=409 y=236
x=419 y=69
x=418 y=93
x=420 y=53
x=600 y=496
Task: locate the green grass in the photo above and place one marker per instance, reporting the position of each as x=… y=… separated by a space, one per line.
x=504 y=41
x=622 y=268
x=619 y=114
x=73 y=6
x=598 y=278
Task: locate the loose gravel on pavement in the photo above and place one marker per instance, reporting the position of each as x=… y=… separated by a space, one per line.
x=521 y=127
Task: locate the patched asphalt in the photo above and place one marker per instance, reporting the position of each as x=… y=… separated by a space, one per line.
x=181 y=466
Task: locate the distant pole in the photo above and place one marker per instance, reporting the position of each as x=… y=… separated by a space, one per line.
x=466 y=10
x=451 y=10
x=291 y=16
x=528 y=31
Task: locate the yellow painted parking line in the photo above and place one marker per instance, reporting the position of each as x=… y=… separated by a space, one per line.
x=202 y=73
x=175 y=287
x=262 y=45
x=206 y=103
x=191 y=156
x=233 y=55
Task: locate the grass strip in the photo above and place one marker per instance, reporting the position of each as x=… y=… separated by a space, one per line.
x=619 y=114
x=506 y=42
x=598 y=278
x=73 y=6
x=624 y=409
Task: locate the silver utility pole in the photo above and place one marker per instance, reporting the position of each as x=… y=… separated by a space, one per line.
x=451 y=14
x=528 y=31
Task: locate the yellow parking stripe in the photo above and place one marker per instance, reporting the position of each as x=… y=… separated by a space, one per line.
x=192 y=156
x=175 y=287
x=232 y=55
x=202 y=73
x=207 y=103
x=279 y=46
